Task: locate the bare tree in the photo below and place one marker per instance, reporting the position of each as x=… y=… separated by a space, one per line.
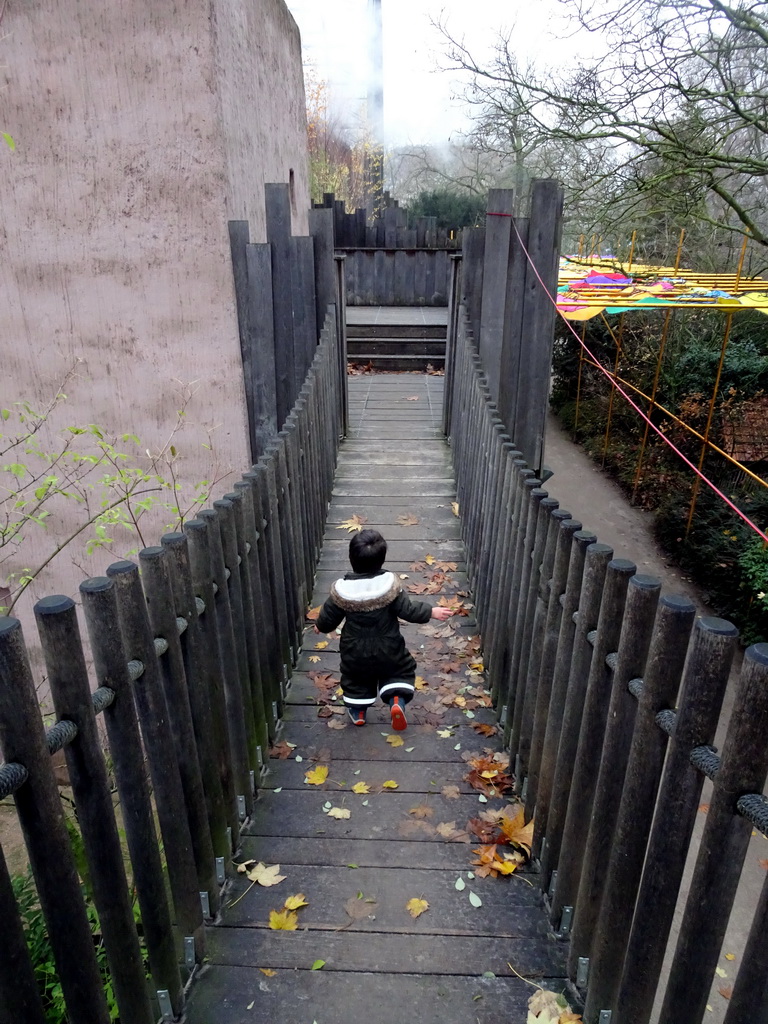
x=676 y=104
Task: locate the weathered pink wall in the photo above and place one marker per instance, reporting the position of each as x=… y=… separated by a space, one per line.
x=141 y=128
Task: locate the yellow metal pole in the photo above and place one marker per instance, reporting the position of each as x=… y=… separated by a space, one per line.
x=578 y=384
x=657 y=374
x=618 y=340
x=710 y=415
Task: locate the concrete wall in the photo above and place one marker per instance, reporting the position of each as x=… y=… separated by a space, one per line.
x=141 y=128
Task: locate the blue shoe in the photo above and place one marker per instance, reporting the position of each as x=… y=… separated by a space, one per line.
x=356 y=715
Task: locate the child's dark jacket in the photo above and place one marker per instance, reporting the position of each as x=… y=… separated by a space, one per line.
x=371 y=604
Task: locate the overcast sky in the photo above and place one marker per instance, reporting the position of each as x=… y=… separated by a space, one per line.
x=419 y=104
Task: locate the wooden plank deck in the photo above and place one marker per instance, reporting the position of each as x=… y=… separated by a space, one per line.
x=381 y=965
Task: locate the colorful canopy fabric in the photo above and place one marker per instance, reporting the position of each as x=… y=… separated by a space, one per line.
x=588 y=288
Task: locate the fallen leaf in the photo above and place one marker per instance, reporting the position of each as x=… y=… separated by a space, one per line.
x=282 y=750
x=313 y=613
x=354 y=524
x=338 y=812
x=414 y=826
x=430 y=559
x=703 y=808
x=721 y=973
x=413 y=398
x=317 y=965
x=416 y=907
x=730 y=956
x=357 y=908
x=316 y=776
x=395 y=741
x=763 y=864
x=252 y=1003
x=265 y=875
x=474 y=899
x=337 y=723
x=421 y=683
x=446 y=734
x=484 y=729
x=726 y=991
x=421 y=811
x=452 y=792
x=389 y=784
x=314 y=658
x=446 y=829
x=361 y=787
x=321 y=645
x=407 y=519
x=455 y=507
x=269 y=973
x=294 y=902
x=283 y=920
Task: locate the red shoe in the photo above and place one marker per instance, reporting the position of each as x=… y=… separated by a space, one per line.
x=397 y=713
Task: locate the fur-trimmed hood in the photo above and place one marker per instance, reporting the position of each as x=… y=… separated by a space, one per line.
x=366 y=593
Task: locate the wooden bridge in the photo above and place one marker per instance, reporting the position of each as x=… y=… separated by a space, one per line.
x=357 y=874
x=567 y=711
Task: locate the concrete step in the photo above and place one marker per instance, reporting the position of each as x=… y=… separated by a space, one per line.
x=357 y=347
x=396 y=331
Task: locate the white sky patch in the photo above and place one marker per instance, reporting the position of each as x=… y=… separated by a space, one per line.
x=421 y=103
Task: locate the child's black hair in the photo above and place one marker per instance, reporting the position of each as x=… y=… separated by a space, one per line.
x=367 y=551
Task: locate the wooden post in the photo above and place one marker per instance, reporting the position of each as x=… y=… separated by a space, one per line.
x=472 y=276
x=538 y=323
x=70 y=688
x=111 y=668
x=42 y=821
x=498 y=228
x=158 y=741
x=321 y=230
x=261 y=392
x=304 y=311
x=19 y=997
x=278 y=213
x=513 y=344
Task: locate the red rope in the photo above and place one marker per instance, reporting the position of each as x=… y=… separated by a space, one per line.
x=634 y=405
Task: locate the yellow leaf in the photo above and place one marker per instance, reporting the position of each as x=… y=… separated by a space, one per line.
x=361 y=787
x=445 y=733
x=321 y=645
x=283 y=920
x=313 y=613
x=338 y=812
x=504 y=867
x=317 y=775
x=421 y=683
x=339 y=691
x=265 y=874
x=730 y=956
x=416 y=907
x=395 y=741
x=516 y=831
x=430 y=559
x=268 y=970
x=294 y=902
x=314 y=658
x=354 y=524
x=455 y=507
x=389 y=784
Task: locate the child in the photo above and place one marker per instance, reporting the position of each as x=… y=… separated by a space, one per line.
x=373 y=653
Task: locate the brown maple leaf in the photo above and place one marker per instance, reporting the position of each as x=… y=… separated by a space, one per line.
x=421 y=811
x=282 y=750
x=408 y=519
x=514 y=829
x=484 y=729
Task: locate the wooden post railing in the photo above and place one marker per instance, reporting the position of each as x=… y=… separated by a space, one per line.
x=584 y=660
x=192 y=649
